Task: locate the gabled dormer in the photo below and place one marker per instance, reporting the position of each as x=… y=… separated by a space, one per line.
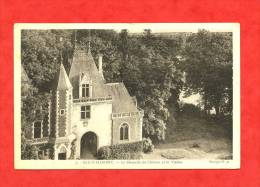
x=85 y=86
x=86 y=79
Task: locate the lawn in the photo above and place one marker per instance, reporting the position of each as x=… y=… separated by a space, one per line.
x=195 y=138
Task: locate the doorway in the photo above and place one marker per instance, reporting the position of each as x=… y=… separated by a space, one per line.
x=88 y=146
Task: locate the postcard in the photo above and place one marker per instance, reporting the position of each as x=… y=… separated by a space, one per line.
x=127 y=96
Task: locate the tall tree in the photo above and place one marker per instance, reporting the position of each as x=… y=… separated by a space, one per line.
x=208 y=66
x=151 y=74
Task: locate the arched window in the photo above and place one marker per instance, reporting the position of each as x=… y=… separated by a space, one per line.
x=37 y=129
x=124 y=132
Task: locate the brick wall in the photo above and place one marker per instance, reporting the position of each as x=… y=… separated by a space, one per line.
x=62 y=118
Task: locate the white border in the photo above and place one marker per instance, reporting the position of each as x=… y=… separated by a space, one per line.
x=130 y=164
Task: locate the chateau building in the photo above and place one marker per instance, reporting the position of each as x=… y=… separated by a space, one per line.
x=86 y=113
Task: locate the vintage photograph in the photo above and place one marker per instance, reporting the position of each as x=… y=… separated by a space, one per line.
x=164 y=95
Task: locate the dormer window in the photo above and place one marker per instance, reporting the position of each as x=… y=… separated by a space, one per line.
x=85 y=86
x=85 y=90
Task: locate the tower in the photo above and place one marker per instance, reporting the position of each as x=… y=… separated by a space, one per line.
x=63 y=104
x=60 y=115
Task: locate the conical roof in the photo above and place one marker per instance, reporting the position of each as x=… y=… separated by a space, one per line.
x=63 y=82
x=24 y=76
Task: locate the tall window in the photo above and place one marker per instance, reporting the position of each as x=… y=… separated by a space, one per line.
x=85 y=90
x=37 y=129
x=124 y=132
x=85 y=112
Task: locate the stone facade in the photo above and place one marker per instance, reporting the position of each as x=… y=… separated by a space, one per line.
x=86 y=113
x=135 y=129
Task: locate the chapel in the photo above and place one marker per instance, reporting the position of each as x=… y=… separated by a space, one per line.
x=86 y=112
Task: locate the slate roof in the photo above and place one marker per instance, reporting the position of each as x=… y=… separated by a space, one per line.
x=121 y=100
x=24 y=76
x=25 y=82
x=63 y=83
x=83 y=62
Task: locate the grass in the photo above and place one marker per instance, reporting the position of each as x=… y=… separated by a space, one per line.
x=195 y=138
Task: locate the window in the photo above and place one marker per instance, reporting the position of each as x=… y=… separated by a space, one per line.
x=85 y=112
x=124 y=132
x=37 y=129
x=85 y=90
x=62 y=112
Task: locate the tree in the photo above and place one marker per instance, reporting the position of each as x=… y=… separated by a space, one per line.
x=208 y=67
x=150 y=73
x=41 y=52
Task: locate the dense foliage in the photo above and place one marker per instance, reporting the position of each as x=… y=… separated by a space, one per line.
x=207 y=61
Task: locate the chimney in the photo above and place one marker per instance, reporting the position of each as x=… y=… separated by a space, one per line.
x=100 y=69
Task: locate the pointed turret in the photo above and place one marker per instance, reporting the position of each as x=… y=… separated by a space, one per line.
x=24 y=76
x=63 y=80
x=25 y=82
x=61 y=105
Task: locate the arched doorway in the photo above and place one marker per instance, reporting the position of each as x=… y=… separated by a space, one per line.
x=88 y=146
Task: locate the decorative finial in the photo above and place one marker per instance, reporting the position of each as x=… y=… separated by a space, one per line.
x=88 y=46
x=75 y=36
x=75 y=40
x=61 y=59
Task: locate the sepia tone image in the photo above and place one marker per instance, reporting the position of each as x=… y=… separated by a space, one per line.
x=133 y=93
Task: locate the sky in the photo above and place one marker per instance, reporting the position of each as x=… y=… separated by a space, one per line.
x=193 y=99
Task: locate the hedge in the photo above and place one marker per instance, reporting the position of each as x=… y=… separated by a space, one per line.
x=121 y=151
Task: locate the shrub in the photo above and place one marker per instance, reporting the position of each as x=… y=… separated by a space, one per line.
x=147 y=145
x=121 y=151
x=104 y=152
